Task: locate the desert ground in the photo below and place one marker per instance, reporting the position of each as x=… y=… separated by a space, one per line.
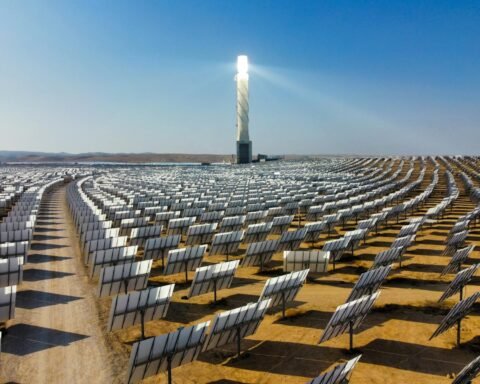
x=59 y=332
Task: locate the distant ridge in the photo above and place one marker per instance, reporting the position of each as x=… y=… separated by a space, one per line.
x=145 y=157
x=25 y=156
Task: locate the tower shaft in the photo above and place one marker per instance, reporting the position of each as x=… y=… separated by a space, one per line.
x=242 y=107
x=244 y=145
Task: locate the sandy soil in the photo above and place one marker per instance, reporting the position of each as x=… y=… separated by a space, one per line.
x=393 y=340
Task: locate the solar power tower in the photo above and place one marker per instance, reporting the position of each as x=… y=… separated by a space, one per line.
x=244 y=145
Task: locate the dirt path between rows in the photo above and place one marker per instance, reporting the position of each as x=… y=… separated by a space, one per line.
x=56 y=336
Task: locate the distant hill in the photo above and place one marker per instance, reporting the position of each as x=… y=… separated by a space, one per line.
x=24 y=156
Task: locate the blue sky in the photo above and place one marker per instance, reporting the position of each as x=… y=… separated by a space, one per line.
x=367 y=77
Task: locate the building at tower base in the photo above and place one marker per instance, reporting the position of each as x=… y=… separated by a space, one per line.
x=244 y=152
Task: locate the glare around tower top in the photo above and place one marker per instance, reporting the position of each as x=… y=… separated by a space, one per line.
x=242 y=64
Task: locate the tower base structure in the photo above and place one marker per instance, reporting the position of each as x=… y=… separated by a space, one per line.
x=244 y=152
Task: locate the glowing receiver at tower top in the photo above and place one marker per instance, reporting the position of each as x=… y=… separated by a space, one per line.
x=244 y=145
